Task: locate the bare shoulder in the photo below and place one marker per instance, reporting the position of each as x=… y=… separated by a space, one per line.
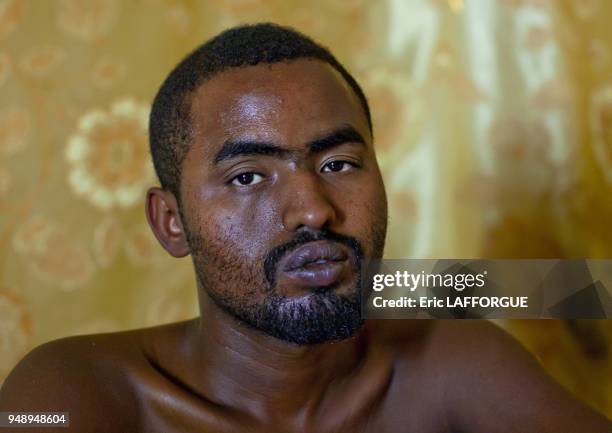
x=447 y=341
x=475 y=342
x=87 y=376
x=493 y=384
x=472 y=376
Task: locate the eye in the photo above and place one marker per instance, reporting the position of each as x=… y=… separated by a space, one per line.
x=245 y=179
x=337 y=166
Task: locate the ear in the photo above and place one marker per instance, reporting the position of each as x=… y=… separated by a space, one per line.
x=165 y=221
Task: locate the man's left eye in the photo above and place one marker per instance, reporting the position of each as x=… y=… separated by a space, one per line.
x=248 y=178
x=336 y=166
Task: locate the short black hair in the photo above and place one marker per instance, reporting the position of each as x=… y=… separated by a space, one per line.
x=247 y=45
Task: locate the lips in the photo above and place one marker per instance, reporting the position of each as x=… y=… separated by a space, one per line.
x=316 y=264
x=313 y=252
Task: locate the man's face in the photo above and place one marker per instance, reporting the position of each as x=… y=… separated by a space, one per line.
x=282 y=197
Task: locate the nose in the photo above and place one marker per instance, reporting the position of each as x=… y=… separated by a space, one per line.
x=307 y=203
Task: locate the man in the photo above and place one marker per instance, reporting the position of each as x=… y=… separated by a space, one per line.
x=263 y=145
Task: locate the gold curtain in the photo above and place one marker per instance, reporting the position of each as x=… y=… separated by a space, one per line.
x=493 y=123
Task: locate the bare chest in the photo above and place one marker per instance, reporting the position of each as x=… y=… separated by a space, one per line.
x=377 y=410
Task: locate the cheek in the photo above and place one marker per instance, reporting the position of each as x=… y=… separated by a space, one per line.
x=228 y=262
x=238 y=229
x=366 y=215
x=376 y=196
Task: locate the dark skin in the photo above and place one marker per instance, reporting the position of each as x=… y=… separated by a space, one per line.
x=217 y=374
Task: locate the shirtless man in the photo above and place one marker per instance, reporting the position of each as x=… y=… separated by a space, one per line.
x=263 y=145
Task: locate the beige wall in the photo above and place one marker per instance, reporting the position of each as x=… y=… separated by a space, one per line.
x=493 y=122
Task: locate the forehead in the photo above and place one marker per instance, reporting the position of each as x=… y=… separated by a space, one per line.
x=287 y=103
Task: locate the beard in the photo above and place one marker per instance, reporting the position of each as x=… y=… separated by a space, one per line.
x=248 y=291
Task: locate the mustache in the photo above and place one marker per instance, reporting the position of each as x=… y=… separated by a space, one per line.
x=277 y=253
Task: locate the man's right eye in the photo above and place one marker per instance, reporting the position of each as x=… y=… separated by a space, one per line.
x=245 y=179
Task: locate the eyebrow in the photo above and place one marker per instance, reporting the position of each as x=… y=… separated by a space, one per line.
x=346 y=134
x=235 y=148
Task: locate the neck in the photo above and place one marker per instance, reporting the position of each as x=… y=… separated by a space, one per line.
x=239 y=367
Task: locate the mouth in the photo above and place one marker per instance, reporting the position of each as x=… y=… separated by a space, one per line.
x=316 y=264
